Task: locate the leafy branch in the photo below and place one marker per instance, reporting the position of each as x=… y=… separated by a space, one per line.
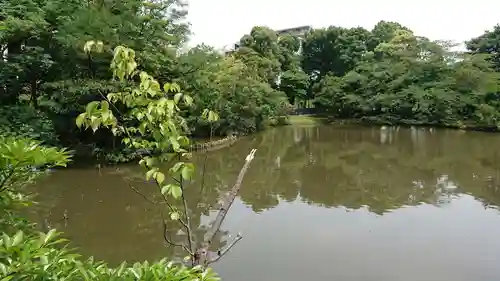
x=153 y=124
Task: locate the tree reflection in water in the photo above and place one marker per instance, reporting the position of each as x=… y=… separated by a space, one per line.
x=379 y=169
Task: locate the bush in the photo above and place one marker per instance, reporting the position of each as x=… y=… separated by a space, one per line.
x=27 y=122
x=32 y=256
x=42 y=256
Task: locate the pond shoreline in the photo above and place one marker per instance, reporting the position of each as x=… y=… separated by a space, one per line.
x=206 y=145
x=197 y=145
x=318 y=119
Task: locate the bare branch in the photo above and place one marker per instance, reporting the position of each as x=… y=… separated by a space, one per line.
x=188 y=220
x=176 y=180
x=165 y=199
x=202 y=185
x=140 y=193
x=220 y=254
x=165 y=237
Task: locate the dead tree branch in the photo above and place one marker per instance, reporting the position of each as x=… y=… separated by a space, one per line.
x=228 y=201
x=220 y=254
x=201 y=256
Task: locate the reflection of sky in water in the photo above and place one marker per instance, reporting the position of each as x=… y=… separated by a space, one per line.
x=456 y=243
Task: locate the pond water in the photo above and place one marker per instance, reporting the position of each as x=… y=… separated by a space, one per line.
x=318 y=203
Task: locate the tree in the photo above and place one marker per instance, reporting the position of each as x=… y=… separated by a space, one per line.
x=159 y=130
x=289 y=47
x=333 y=50
x=411 y=79
x=383 y=32
x=52 y=73
x=232 y=87
x=487 y=43
x=259 y=51
x=295 y=84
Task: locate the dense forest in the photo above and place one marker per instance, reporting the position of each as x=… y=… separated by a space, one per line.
x=387 y=74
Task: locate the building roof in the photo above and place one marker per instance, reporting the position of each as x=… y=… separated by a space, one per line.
x=298 y=29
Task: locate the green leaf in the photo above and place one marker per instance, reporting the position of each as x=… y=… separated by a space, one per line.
x=50 y=235
x=166 y=189
x=106 y=115
x=175 y=87
x=177 y=97
x=104 y=105
x=6 y=240
x=174 y=216
x=80 y=119
x=176 y=167
x=94 y=123
x=187 y=171
x=122 y=267
x=18 y=238
x=212 y=116
x=150 y=173
x=166 y=87
x=170 y=105
x=160 y=177
x=175 y=144
x=3 y=269
x=91 y=107
x=150 y=161
x=188 y=100
x=176 y=191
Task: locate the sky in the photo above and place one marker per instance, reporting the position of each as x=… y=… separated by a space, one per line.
x=223 y=22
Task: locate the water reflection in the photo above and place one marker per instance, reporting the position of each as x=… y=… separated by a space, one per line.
x=380 y=168
x=326 y=186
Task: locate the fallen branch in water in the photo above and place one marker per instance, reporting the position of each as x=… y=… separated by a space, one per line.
x=220 y=254
x=202 y=254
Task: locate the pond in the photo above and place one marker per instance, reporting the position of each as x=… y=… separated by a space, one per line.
x=318 y=203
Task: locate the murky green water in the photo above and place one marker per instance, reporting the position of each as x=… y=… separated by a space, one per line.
x=318 y=203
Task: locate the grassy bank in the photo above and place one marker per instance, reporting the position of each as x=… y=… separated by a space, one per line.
x=307 y=120
x=371 y=121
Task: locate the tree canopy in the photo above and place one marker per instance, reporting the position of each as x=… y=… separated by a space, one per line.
x=391 y=75
x=386 y=75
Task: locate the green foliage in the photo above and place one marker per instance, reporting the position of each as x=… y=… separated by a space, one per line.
x=259 y=50
x=403 y=79
x=152 y=123
x=488 y=43
x=28 y=255
x=295 y=84
x=42 y=256
x=56 y=60
x=25 y=121
x=22 y=161
x=333 y=50
x=242 y=98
